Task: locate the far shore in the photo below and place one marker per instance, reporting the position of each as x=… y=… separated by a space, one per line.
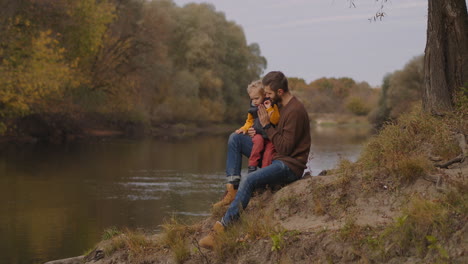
x=161 y=131
x=326 y=119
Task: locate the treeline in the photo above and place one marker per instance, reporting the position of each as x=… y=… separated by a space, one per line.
x=122 y=61
x=400 y=91
x=336 y=95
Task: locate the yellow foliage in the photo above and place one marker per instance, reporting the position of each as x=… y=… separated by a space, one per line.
x=29 y=79
x=90 y=21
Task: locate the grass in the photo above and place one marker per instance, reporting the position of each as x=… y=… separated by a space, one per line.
x=412 y=136
x=277 y=240
x=399 y=153
x=423 y=230
x=334 y=197
x=88 y=251
x=110 y=233
x=136 y=243
x=418 y=230
x=410 y=169
x=177 y=237
x=218 y=212
x=254 y=224
x=350 y=230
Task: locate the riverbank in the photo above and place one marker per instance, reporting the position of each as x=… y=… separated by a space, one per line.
x=315 y=220
x=326 y=119
x=401 y=202
x=30 y=133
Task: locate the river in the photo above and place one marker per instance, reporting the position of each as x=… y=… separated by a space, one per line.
x=56 y=200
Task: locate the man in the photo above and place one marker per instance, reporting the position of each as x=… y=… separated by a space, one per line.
x=291 y=138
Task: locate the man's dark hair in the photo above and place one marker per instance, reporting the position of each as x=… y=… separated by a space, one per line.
x=276 y=80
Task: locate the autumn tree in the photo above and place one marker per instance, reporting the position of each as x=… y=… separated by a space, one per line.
x=297 y=84
x=337 y=95
x=213 y=55
x=34 y=73
x=400 y=91
x=405 y=87
x=124 y=61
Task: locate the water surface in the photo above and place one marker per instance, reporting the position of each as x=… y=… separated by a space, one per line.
x=57 y=200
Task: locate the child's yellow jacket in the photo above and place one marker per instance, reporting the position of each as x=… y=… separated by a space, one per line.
x=274 y=118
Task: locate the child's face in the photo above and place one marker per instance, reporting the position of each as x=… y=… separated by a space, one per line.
x=257 y=97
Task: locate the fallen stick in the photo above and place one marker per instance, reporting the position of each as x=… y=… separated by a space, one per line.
x=445 y=165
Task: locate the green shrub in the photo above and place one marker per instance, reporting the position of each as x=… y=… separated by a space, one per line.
x=357 y=106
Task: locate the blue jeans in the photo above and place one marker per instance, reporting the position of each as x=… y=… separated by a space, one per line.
x=276 y=173
x=238 y=145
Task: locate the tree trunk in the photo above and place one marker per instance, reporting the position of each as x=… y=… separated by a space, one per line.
x=446 y=54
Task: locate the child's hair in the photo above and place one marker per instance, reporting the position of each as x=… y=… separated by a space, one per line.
x=256 y=86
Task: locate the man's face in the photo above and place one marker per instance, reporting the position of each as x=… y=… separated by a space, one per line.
x=274 y=96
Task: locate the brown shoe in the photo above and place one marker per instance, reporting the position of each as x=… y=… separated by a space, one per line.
x=228 y=196
x=208 y=241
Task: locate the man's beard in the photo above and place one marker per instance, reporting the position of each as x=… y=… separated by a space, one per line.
x=277 y=99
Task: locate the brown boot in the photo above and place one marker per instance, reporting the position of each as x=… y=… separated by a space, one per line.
x=228 y=196
x=209 y=240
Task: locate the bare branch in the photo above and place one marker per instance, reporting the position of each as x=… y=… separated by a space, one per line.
x=379 y=15
x=195 y=243
x=445 y=165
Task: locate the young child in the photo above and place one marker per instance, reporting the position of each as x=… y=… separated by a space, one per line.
x=261 y=143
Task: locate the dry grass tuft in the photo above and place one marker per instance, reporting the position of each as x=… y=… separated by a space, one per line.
x=177 y=237
x=426 y=226
x=410 y=233
x=410 y=169
x=134 y=242
x=254 y=224
x=333 y=198
x=218 y=212
x=403 y=148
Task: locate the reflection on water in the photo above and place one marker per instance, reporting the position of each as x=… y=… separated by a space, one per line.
x=57 y=200
x=330 y=144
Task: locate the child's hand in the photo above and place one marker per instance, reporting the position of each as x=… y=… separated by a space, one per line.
x=267 y=104
x=251 y=132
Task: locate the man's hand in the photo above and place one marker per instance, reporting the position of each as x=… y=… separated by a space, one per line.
x=251 y=132
x=238 y=131
x=263 y=115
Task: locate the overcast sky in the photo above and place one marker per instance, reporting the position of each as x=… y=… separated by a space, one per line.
x=311 y=39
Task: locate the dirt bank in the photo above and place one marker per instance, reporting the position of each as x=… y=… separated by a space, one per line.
x=319 y=219
x=401 y=202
